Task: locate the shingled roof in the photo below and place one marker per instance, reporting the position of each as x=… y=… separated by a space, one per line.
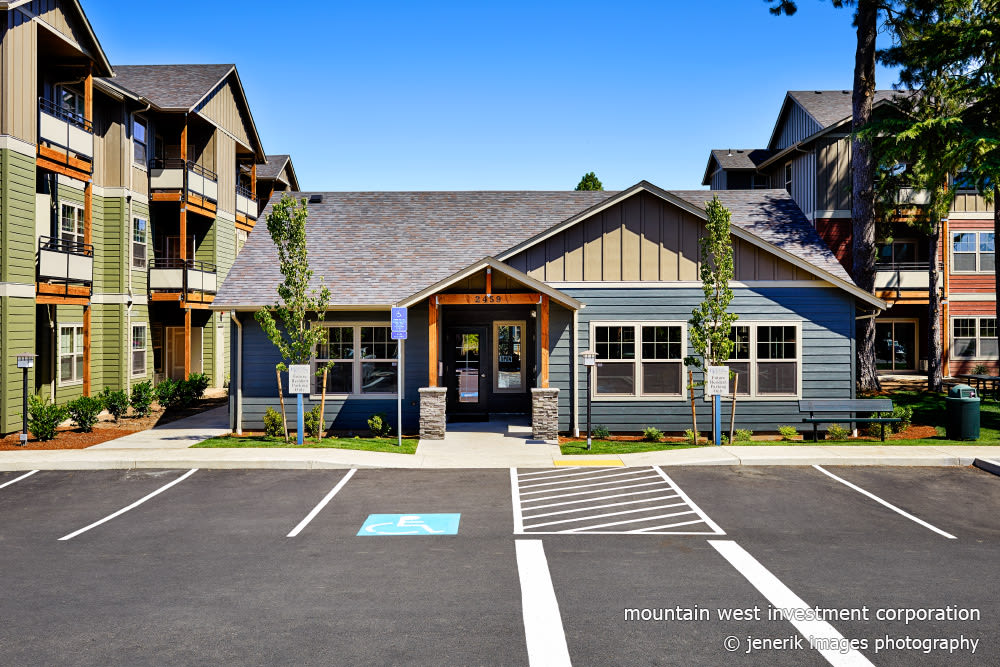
x=270 y=170
x=170 y=87
x=740 y=158
x=829 y=107
x=377 y=248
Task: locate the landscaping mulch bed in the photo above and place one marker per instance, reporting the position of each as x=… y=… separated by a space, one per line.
x=69 y=437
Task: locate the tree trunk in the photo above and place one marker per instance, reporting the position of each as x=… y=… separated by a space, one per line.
x=863 y=186
x=322 y=405
x=996 y=235
x=933 y=313
x=281 y=397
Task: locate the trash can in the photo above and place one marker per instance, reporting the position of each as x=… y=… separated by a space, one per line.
x=962 y=408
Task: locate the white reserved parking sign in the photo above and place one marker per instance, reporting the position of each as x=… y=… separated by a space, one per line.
x=298 y=379
x=716 y=380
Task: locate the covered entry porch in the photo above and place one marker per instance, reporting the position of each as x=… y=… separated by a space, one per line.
x=489 y=349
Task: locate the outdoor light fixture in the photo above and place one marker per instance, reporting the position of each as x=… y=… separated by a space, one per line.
x=589 y=361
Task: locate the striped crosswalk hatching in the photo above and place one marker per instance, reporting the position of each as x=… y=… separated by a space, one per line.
x=605 y=501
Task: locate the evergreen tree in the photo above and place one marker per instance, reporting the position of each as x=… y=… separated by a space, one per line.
x=589 y=182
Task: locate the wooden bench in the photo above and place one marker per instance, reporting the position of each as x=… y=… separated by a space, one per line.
x=829 y=406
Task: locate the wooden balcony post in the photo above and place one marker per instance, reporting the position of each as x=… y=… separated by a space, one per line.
x=187 y=342
x=544 y=318
x=88 y=94
x=432 y=342
x=253 y=181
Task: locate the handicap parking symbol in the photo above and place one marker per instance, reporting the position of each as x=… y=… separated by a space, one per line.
x=410 y=524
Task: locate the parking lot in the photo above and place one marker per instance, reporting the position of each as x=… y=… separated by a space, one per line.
x=588 y=566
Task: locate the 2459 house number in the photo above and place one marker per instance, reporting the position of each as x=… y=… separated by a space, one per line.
x=488 y=298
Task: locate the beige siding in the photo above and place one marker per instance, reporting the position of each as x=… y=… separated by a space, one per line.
x=109 y=170
x=140 y=181
x=226 y=163
x=18 y=77
x=223 y=109
x=833 y=169
x=642 y=238
x=970 y=202
x=62 y=17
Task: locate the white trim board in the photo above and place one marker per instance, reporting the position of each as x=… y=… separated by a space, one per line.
x=109 y=298
x=685 y=284
x=830 y=215
x=18 y=290
x=985 y=297
x=11 y=143
x=985 y=216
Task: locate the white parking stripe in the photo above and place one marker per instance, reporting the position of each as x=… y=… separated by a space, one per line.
x=130 y=507
x=543 y=628
x=605 y=474
x=595 y=472
x=18 y=479
x=889 y=505
x=669 y=525
x=546 y=472
x=781 y=597
x=590 y=500
x=515 y=499
x=711 y=524
x=619 y=523
x=587 y=508
x=602 y=516
x=326 y=499
x=588 y=493
x=585 y=486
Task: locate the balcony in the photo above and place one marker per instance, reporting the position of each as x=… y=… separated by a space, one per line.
x=201 y=185
x=69 y=138
x=65 y=271
x=901 y=277
x=913 y=197
x=246 y=205
x=182 y=280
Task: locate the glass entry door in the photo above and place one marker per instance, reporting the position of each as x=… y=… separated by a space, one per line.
x=466 y=370
x=896 y=346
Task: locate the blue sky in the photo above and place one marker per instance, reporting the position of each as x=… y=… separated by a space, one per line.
x=498 y=96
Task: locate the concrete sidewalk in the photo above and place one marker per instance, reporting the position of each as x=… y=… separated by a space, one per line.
x=179 y=434
x=441 y=455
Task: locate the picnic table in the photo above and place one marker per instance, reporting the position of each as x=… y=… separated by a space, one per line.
x=983 y=383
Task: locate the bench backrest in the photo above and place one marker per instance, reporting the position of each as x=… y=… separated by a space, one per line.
x=846 y=405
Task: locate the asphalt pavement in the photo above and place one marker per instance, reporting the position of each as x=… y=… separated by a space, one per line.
x=118 y=567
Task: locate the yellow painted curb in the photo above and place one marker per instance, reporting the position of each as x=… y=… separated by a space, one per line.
x=588 y=462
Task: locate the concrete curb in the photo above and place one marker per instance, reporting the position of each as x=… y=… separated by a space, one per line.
x=987 y=465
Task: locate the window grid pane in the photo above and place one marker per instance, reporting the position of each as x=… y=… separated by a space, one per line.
x=615 y=342
x=377 y=343
x=661 y=343
x=775 y=342
x=741 y=339
x=616 y=379
x=963 y=242
x=964 y=327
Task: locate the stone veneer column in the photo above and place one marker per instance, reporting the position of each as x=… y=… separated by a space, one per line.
x=432 y=404
x=545 y=413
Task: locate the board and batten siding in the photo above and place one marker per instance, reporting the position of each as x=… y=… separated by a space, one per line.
x=641 y=238
x=226 y=159
x=804 y=182
x=827 y=320
x=19 y=77
x=109 y=143
x=222 y=108
x=260 y=385
x=796 y=126
x=971 y=202
x=833 y=174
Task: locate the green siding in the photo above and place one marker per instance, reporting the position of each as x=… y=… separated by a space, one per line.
x=109 y=260
x=17 y=330
x=140 y=277
x=17 y=217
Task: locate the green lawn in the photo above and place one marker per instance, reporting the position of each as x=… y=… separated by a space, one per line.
x=619 y=447
x=365 y=444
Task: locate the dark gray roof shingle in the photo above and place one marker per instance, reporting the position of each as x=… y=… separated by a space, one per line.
x=272 y=169
x=832 y=106
x=169 y=87
x=377 y=248
x=740 y=158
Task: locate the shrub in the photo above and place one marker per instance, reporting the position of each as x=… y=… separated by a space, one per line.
x=116 y=402
x=379 y=426
x=903 y=412
x=142 y=398
x=198 y=383
x=185 y=394
x=313 y=427
x=692 y=436
x=724 y=440
x=84 y=411
x=787 y=432
x=743 y=435
x=652 y=434
x=272 y=423
x=980 y=369
x=837 y=432
x=165 y=393
x=600 y=432
x=44 y=417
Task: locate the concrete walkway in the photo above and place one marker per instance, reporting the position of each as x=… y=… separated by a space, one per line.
x=492 y=444
x=179 y=434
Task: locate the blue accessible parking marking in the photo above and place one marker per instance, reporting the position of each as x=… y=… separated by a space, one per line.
x=410 y=524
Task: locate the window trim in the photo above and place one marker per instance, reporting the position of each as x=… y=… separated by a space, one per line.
x=76 y=381
x=978 y=356
x=789 y=177
x=637 y=361
x=144 y=243
x=144 y=349
x=79 y=208
x=977 y=252
x=355 y=393
x=754 y=324
x=145 y=144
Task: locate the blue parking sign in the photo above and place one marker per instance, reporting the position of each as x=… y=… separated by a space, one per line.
x=409 y=524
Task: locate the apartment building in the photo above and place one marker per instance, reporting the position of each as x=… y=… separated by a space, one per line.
x=809 y=155
x=125 y=193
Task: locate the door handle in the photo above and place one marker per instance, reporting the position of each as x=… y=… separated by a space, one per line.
x=482 y=375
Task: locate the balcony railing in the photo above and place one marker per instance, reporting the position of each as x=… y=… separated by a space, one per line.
x=182 y=275
x=902 y=275
x=245 y=202
x=64 y=129
x=65 y=261
x=913 y=196
x=176 y=174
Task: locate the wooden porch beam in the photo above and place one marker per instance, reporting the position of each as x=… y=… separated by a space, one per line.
x=187 y=343
x=44 y=162
x=432 y=342
x=167 y=196
x=544 y=321
x=489 y=281
x=530 y=298
x=54 y=300
x=63 y=290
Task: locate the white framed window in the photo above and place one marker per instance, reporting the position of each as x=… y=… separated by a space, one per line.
x=974 y=338
x=140 y=234
x=138 y=350
x=241 y=239
x=71 y=354
x=71 y=223
x=972 y=252
x=140 y=146
x=788 y=177
x=639 y=360
x=364 y=356
x=767 y=359
x=71 y=102
x=964 y=182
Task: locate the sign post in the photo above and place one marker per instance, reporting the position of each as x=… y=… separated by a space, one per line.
x=399 y=323
x=24 y=362
x=298 y=384
x=589 y=360
x=717 y=384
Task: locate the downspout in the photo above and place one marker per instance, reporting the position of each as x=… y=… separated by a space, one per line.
x=576 y=373
x=238 y=380
x=127 y=337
